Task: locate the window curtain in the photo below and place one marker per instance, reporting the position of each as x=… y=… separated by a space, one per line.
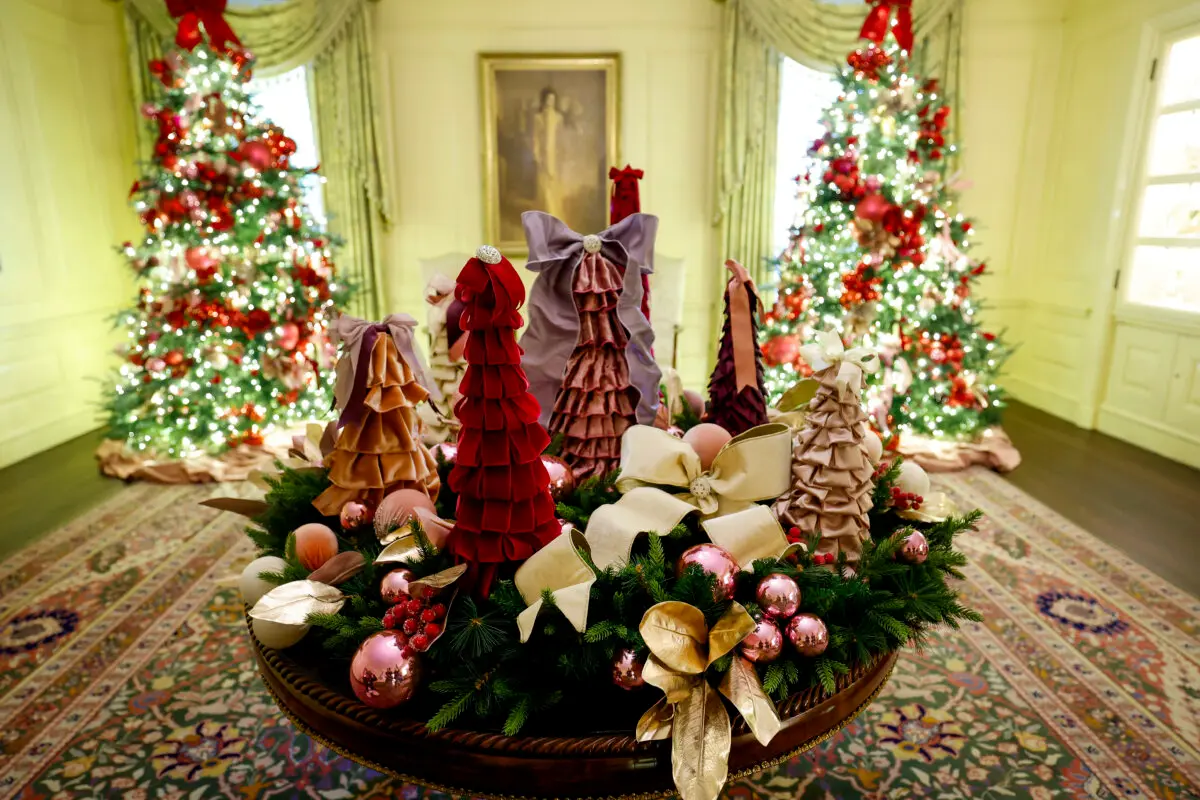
x=756 y=34
x=333 y=36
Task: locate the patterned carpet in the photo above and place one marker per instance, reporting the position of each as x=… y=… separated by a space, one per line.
x=125 y=672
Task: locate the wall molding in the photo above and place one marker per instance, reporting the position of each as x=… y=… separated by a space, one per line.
x=1174 y=443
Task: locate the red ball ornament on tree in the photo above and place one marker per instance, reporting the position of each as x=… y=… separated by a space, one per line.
x=289 y=335
x=778 y=595
x=871 y=208
x=627 y=670
x=808 y=634
x=781 y=349
x=384 y=672
x=255 y=153
x=715 y=561
x=764 y=643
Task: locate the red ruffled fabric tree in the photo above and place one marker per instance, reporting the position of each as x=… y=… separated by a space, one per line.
x=626 y=199
x=736 y=398
x=505 y=512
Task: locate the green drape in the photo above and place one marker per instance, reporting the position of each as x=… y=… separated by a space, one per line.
x=333 y=36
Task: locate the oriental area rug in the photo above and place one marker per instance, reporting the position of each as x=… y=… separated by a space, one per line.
x=125 y=671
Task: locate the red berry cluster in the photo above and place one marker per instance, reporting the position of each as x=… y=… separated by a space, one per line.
x=869 y=61
x=796 y=536
x=905 y=501
x=417 y=622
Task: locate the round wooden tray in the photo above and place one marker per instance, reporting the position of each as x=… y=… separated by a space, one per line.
x=489 y=764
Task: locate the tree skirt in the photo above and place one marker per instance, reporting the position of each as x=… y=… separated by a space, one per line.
x=118 y=461
x=125 y=671
x=993 y=449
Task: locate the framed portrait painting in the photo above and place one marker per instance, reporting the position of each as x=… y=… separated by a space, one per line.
x=550 y=134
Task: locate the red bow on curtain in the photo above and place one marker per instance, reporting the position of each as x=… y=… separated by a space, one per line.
x=876 y=24
x=210 y=13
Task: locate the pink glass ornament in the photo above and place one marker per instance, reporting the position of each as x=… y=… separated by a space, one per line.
x=808 y=634
x=448 y=452
x=355 y=515
x=627 y=670
x=156 y=364
x=562 y=478
x=715 y=561
x=764 y=643
x=384 y=672
x=399 y=507
x=289 y=335
x=915 y=548
x=707 y=440
x=394 y=586
x=871 y=207
x=695 y=401
x=315 y=544
x=778 y=595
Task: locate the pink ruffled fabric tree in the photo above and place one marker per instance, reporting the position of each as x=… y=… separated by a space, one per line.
x=735 y=391
x=603 y=379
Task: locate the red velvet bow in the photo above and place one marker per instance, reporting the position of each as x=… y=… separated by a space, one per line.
x=210 y=13
x=876 y=24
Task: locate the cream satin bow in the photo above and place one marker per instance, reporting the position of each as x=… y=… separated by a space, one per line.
x=559 y=569
x=750 y=468
x=828 y=351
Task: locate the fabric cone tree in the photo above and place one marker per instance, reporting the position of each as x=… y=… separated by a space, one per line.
x=626 y=200
x=445 y=356
x=505 y=512
x=735 y=390
x=379 y=449
x=831 y=466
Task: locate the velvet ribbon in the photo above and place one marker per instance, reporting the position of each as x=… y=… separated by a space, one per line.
x=741 y=325
x=876 y=24
x=359 y=336
x=624 y=201
x=555 y=253
x=210 y=13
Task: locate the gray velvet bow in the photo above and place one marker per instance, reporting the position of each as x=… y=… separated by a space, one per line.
x=555 y=251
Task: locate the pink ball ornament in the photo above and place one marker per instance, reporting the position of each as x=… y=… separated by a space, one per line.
x=444 y=451
x=289 y=335
x=399 y=507
x=695 y=401
x=778 y=595
x=315 y=544
x=562 y=478
x=384 y=672
x=715 y=561
x=156 y=364
x=872 y=207
x=355 y=515
x=627 y=670
x=764 y=643
x=707 y=440
x=808 y=634
x=915 y=548
x=256 y=154
x=199 y=259
x=394 y=586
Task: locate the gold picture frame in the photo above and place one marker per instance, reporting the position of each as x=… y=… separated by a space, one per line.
x=551 y=128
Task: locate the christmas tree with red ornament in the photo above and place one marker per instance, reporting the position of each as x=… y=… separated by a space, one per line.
x=236 y=286
x=882 y=254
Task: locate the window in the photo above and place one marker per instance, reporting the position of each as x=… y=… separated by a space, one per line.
x=284 y=100
x=1164 y=270
x=803 y=95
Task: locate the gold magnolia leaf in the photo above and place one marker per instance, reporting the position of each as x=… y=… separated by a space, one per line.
x=743 y=688
x=399 y=551
x=701 y=736
x=799 y=395
x=676 y=633
x=674 y=684
x=339 y=569
x=291 y=603
x=727 y=632
x=656 y=722
x=431 y=584
x=237 y=505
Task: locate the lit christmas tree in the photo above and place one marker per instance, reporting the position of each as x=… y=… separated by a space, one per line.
x=236 y=285
x=880 y=253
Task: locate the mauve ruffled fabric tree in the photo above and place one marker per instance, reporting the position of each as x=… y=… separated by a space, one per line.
x=588 y=344
x=736 y=399
x=505 y=512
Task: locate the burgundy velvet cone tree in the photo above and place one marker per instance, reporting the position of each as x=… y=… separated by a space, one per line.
x=505 y=512
x=736 y=399
x=626 y=199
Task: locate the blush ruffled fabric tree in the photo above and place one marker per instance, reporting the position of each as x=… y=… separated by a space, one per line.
x=505 y=512
x=380 y=384
x=735 y=390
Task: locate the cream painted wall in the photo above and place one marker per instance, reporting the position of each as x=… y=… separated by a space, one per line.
x=668 y=86
x=66 y=162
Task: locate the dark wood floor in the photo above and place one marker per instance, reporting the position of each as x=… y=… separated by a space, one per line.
x=1137 y=501
x=1142 y=503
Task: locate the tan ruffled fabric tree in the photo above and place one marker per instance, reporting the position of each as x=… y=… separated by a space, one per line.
x=831 y=466
x=380 y=450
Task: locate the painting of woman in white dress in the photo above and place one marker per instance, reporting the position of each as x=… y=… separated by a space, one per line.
x=550 y=135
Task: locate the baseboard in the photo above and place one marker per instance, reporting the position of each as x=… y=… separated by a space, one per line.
x=30 y=443
x=1044 y=399
x=1156 y=437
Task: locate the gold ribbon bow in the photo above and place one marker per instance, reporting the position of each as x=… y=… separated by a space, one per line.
x=751 y=467
x=560 y=569
x=682 y=647
x=741 y=325
x=828 y=351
